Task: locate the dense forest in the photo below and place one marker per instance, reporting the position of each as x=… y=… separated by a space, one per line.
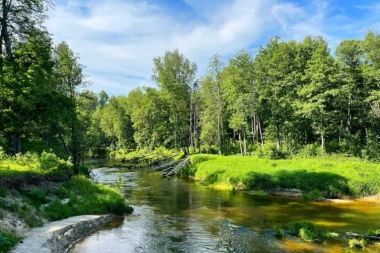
x=291 y=97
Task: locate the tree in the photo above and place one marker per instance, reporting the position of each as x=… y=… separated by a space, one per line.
x=241 y=95
x=317 y=94
x=18 y=18
x=275 y=76
x=70 y=78
x=175 y=74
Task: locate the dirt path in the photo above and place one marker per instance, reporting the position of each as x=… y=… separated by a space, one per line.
x=56 y=237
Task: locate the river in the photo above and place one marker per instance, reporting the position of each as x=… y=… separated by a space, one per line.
x=180 y=215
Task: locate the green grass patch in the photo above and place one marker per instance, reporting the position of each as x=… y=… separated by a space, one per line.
x=7 y=241
x=32 y=163
x=332 y=176
x=86 y=198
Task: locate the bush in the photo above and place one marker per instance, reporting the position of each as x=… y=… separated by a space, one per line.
x=356 y=243
x=38 y=196
x=295 y=227
x=313 y=195
x=308 y=235
x=279 y=232
x=3 y=191
x=7 y=241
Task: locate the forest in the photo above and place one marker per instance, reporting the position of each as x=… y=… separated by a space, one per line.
x=292 y=97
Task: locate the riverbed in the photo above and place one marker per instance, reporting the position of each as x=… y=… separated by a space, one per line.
x=180 y=215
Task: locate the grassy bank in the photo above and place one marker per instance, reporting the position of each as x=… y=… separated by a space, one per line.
x=36 y=189
x=333 y=176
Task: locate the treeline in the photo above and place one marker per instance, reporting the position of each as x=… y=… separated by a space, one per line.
x=291 y=97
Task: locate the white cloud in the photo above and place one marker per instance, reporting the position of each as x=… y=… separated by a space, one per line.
x=118 y=39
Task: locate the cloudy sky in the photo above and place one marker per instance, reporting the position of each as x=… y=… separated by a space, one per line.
x=117 y=39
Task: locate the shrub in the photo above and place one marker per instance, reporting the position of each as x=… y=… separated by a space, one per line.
x=38 y=196
x=313 y=195
x=308 y=235
x=3 y=191
x=7 y=241
x=294 y=227
x=279 y=232
x=356 y=243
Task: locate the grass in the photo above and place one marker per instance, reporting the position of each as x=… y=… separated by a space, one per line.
x=86 y=197
x=32 y=164
x=7 y=241
x=332 y=176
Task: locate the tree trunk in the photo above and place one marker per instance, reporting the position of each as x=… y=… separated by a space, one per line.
x=62 y=140
x=241 y=148
x=253 y=122
x=322 y=141
x=245 y=144
x=261 y=133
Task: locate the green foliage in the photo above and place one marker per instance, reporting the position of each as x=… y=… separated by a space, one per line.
x=313 y=195
x=295 y=227
x=86 y=198
x=358 y=243
x=37 y=196
x=3 y=191
x=32 y=163
x=279 y=232
x=7 y=241
x=308 y=235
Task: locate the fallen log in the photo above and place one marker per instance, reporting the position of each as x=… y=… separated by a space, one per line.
x=177 y=170
x=371 y=237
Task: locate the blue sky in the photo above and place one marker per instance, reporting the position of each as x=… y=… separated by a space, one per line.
x=117 y=39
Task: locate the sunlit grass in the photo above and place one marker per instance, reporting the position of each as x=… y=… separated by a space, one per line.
x=31 y=163
x=333 y=176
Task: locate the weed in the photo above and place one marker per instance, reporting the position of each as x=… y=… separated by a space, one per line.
x=7 y=241
x=279 y=231
x=295 y=227
x=309 y=235
x=356 y=243
x=313 y=195
x=3 y=191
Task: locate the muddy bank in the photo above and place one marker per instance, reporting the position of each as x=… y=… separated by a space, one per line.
x=58 y=236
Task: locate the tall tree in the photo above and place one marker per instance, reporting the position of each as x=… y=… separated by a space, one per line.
x=316 y=96
x=70 y=78
x=18 y=18
x=175 y=74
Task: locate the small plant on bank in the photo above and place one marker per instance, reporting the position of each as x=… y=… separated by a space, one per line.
x=279 y=232
x=7 y=241
x=37 y=196
x=3 y=191
x=306 y=230
x=356 y=243
x=309 y=235
x=313 y=195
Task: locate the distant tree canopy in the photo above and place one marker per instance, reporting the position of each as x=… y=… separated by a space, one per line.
x=289 y=97
x=291 y=94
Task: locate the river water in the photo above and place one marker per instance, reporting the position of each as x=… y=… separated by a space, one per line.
x=179 y=215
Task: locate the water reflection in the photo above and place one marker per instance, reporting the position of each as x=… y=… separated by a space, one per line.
x=176 y=215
